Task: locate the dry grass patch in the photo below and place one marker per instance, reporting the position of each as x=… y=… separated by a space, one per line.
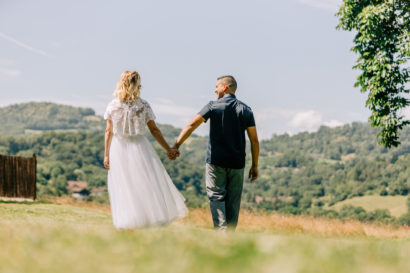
x=274 y=222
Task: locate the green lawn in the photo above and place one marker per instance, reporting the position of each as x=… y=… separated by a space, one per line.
x=397 y=205
x=41 y=237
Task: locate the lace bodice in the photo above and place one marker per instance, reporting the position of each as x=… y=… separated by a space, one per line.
x=129 y=118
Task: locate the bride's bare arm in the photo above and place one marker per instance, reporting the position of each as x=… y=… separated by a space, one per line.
x=107 y=144
x=156 y=133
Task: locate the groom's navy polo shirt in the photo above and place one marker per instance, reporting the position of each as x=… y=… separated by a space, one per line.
x=229 y=120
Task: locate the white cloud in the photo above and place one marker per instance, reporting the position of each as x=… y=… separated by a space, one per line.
x=23 y=45
x=333 y=123
x=271 y=121
x=307 y=120
x=331 y=5
x=10 y=72
x=311 y=120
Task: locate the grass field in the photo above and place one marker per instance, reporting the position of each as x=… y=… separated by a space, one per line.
x=397 y=205
x=49 y=237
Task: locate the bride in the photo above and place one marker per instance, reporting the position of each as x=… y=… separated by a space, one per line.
x=140 y=190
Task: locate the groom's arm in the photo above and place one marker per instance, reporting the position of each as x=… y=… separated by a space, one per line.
x=198 y=119
x=253 y=137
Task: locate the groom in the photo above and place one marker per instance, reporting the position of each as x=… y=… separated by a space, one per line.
x=225 y=157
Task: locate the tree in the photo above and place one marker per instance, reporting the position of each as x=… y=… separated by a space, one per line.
x=383 y=44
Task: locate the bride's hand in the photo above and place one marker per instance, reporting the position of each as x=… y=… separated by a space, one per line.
x=107 y=162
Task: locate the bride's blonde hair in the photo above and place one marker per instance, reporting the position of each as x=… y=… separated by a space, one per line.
x=128 y=87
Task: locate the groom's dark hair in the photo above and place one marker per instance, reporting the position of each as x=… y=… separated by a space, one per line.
x=229 y=81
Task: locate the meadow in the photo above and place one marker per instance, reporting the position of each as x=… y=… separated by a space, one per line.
x=60 y=235
x=396 y=205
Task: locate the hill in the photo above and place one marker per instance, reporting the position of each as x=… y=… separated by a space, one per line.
x=331 y=165
x=32 y=117
x=47 y=237
x=306 y=173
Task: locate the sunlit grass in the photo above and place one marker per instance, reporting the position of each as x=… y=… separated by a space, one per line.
x=274 y=222
x=48 y=237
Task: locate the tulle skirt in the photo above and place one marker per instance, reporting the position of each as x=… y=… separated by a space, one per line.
x=140 y=190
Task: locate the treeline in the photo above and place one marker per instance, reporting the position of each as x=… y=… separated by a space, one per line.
x=309 y=181
x=336 y=163
x=80 y=155
x=303 y=173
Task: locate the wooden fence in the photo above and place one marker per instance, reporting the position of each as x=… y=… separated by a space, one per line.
x=18 y=177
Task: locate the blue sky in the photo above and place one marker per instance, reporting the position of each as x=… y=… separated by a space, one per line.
x=292 y=66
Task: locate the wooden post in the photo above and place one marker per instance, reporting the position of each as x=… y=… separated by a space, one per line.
x=18 y=177
x=34 y=176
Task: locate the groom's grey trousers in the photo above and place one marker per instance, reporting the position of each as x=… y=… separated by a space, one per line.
x=224 y=190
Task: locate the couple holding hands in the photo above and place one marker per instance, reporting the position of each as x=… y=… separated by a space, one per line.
x=140 y=190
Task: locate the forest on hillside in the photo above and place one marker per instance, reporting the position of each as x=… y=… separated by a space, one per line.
x=303 y=173
x=20 y=119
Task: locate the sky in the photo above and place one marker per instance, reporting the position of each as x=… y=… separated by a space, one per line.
x=293 y=68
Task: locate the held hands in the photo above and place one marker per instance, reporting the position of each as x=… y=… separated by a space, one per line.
x=173 y=153
x=253 y=173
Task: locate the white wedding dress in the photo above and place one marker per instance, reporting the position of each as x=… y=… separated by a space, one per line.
x=140 y=190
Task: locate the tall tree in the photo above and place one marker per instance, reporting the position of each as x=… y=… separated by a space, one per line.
x=382 y=42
